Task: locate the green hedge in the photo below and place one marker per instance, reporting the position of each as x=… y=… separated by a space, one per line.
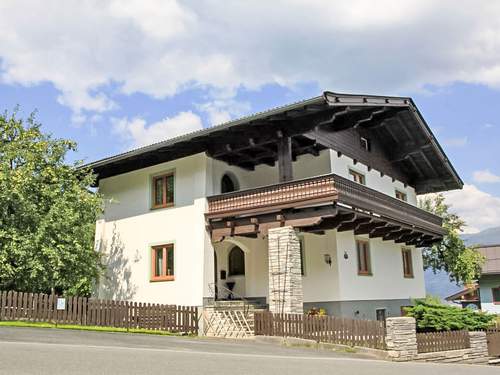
x=435 y=316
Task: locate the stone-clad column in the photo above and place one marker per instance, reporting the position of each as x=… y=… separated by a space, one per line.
x=478 y=346
x=285 y=279
x=401 y=338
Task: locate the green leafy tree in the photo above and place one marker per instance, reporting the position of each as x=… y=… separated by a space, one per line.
x=47 y=213
x=431 y=315
x=462 y=263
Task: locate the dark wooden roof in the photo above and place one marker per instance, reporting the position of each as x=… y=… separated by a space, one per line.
x=409 y=150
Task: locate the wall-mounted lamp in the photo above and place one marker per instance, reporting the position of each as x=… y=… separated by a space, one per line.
x=328 y=259
x=346 y=256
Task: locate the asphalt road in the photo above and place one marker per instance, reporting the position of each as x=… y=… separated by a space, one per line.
x=51 y=351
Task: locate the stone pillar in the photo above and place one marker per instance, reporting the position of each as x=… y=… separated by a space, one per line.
x=401 y=338
x=478 y=346
x=285 y=279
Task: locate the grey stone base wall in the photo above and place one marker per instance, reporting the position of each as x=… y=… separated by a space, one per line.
x=362 y=309
x=401 y=341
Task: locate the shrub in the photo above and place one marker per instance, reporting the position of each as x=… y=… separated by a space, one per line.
x=432 y=315
x=316 y=311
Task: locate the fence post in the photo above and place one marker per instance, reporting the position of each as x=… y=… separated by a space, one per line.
x=401 y=338
x=478 y=345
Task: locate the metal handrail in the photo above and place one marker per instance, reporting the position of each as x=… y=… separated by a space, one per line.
x=212 y=287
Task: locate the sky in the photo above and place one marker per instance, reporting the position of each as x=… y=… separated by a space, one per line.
x=113 y=75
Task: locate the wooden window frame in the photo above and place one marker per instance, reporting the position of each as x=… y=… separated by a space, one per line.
x=367 y=258
x=493 y=295
x=403 y=194
x=163 y=276
x=354 y=174
x=164 y=203
x=407 y=252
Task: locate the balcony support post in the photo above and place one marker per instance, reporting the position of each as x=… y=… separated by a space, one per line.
x=285 y=158
x=285 y=279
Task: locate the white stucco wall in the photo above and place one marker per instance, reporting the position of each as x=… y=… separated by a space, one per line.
x=130 y=227
x=387 y=280
x=341 y=165
x=305 y=166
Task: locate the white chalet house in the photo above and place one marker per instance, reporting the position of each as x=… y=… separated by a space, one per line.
x=312 y=204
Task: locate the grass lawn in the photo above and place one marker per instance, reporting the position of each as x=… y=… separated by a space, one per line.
x=85 y=328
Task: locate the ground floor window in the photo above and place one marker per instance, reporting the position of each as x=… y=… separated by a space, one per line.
x=236 y=262
x=162 y=263
x=496 y=295
x=363 y=252
x=407 y=262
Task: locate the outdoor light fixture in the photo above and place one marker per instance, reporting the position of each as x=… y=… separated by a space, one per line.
x=346 y=256
x=328 y=259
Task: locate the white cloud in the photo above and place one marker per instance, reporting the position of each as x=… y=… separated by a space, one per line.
x=479 y=209
x=485 y=176
x=138 y=133
x=162 y=47
x=456 y=142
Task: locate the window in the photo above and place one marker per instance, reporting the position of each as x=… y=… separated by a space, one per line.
x=357 y=177
x=365 y=143
x=302 y=258
x=162 y=263
x=496 y=295
x=236 y=262
x=407 y=263
x=163 y=191
x=401 y=196
x=363 y=250
x=227 y=184
x=381 y=314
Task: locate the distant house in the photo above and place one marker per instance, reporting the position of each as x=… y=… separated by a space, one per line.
x=485 y=294
x=312 y=204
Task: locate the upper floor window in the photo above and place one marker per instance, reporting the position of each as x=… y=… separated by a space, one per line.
x=163 y=190
x=363 y=253
x=162 y=263
x=228 y=184
x=236 y=262
x=357 y=177
x=496 y=295
x=401 y=196
x=365 y=143
x=407 y=262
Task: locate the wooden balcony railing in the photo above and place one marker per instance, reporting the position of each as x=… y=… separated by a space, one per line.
x=362 y=197
x=284 y=195
x=321 y=189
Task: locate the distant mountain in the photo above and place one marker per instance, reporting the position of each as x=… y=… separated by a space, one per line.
x=439 y=284
x=489 y=236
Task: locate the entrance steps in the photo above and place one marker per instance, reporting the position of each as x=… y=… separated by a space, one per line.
x=230 y=318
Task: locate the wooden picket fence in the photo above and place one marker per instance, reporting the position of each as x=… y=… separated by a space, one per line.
x=328 y=329
x=442 y=341
x=38 y=307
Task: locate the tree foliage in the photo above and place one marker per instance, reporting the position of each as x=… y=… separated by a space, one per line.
x=47 y=213
x=462 y=263
x=432 y=315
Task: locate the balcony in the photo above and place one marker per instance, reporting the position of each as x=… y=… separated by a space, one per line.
x=320 y=203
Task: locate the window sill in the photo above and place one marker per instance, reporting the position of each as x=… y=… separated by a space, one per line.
x=365 y=274
x=162 y=278
x=409 y=276
x=162 y=206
